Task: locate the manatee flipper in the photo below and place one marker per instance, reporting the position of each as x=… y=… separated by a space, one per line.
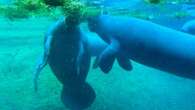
x=39 y=67
x=124 y=62
x=85 y=62
x=42 y=61
x=79 y=58
x=106 y=59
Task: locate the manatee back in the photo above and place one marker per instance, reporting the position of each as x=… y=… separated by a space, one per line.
x=63 y=55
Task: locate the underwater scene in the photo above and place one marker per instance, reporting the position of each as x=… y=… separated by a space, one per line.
x=97 y=54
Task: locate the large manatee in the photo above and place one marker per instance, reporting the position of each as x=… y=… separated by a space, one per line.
x=145 y=42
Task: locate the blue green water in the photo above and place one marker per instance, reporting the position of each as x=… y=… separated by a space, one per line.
x=144 y=88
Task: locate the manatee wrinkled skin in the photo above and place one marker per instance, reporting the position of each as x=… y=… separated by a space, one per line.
x=189 y=27
x=147 y=43
x=66 y=51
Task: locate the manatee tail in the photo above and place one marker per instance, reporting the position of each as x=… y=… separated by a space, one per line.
x=78 y=97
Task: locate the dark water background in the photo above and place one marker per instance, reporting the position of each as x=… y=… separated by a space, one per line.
x=143 y=88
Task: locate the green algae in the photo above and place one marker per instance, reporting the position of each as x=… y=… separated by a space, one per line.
x=180 y=14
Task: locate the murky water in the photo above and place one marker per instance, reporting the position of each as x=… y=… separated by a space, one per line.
x=143 y=88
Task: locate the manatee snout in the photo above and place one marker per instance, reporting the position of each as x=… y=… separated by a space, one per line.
x=189 y=27
x=78 y=97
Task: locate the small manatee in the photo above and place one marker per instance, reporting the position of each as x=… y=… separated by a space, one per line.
x=67 y=53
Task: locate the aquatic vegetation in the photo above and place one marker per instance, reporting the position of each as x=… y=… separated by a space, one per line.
x=2 y=10
x=54 y=2
x=91 y=11
x=181 y=1
x=139 y=14
x=167 y=1
x=180 y=14
x=23 y=9
x=12 y=13
x=175 y=1
x=74 y=12
x=133 y=13
x=153 y=1
x=54 y=13
x=30 y=5
x=77 y=12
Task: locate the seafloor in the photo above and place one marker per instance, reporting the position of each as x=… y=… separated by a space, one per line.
x=141 y=89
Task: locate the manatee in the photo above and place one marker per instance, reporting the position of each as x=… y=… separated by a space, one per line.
x=66 y=51
x=189 y=27
x=96 y=47
x=145 y=42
